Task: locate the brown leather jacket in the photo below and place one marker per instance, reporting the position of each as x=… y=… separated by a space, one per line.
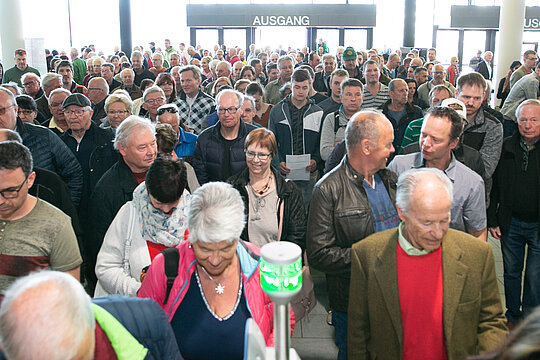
x=340 y=216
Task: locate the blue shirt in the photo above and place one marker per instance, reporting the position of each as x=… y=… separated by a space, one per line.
x=186 y=144
x=384 y=212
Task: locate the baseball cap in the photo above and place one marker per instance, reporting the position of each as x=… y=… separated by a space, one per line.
x=457 y=105
x=76 y=99
x=349 y=54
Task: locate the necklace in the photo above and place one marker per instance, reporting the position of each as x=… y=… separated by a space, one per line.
x=264 y=188
x=220 y=289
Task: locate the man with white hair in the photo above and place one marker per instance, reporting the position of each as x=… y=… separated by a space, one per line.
x=49 y=82
x=135 y=140
x=514 y=212
x=98 y=91
x=321 y=81
x=48 y=315
x=349 y=204
x=438 y=79
x=219 y=152
x=32 y=85
x=153 y=98
x=484 y=67
x=128 y=77
x=423 y=291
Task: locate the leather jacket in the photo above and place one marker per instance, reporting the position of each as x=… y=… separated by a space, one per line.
x=339 y=216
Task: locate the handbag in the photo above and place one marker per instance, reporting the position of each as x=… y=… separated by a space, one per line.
x=305 y=300
x=100 y=291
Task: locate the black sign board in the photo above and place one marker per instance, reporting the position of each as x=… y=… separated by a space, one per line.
x=487 y=17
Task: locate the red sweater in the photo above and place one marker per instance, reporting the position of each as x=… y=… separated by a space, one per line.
x=420 y=284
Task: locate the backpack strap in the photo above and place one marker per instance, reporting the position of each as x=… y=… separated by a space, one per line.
x=336 y=122
x=171 y=257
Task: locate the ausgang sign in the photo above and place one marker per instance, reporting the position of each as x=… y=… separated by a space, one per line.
x=199 y=15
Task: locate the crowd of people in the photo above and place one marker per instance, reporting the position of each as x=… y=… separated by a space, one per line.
x=161 y=174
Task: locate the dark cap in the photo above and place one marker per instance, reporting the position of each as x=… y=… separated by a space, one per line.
x=349 y=54
x=76 y=99
x=152 y=43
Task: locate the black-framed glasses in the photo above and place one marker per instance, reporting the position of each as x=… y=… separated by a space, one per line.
x=261 y=156
x=30 y=83
x=12 y=193
x=25 y=112
x=169 y=109
x=155 y=101
x=231 y=110
x=3 y=110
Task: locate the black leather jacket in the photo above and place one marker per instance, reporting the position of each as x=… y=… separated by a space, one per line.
x=340 y=216
x=294 y=213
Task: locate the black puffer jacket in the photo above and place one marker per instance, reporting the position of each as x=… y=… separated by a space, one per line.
x=294 y=213
x=209 y=153
x=340 y=216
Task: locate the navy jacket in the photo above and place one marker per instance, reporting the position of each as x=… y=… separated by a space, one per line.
x=208 y=155
x=146 y=321
x=50 y=153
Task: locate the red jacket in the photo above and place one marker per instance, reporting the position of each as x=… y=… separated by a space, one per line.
x=258 y=303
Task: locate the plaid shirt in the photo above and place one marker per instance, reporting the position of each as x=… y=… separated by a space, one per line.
x=195 y=116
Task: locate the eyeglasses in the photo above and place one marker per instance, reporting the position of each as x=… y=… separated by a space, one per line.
x=78 y=112
x=248 y=110
x=3 y=110
x=30 y=83
x=169 y=109
x=12 y=193
x=231 y=110
x=261 y=156
x=154 y=101
x=25 y=112
x=117 y=112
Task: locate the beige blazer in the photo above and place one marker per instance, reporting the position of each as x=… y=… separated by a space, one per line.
x=472 y=314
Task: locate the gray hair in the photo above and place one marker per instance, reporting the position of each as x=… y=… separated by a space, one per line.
x=136 y=53
x=13 y=85
x=27 y=75
x=239 y=96
x=118 y=97
x=159 y=55
x=127 y=70
x=216 y=214
x=153 y=89
x=58 y=91
x=226 y=63
x=329 y=56
x=212 y=64
x=408 y=181
x=109 y=65
x=363 y=125
x=251 y=99
x=49 y=77
x=533 y=102
x=11 y=135
x=64 y=312
x=282 y=59
x=128 y=126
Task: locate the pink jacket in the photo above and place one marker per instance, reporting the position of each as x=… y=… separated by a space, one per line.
x=258 y=303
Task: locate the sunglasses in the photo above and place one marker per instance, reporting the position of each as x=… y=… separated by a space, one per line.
x=20 y=52
x=171 y=110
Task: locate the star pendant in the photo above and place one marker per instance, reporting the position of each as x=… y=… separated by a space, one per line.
x=220 y=289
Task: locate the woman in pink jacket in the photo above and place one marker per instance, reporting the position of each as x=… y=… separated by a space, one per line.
x=218 y=283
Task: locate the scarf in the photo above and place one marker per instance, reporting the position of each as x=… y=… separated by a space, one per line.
x=162 y=228
x=526 y=150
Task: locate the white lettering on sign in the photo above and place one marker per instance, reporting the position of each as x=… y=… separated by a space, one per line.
x=273 y=20
x=532 y=23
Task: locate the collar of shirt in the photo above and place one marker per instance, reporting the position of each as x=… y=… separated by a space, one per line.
x=52 y=125
x=407 y=246
x=450 y=171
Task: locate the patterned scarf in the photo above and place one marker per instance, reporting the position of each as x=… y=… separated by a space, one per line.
x=162 y=228
x=526 y=150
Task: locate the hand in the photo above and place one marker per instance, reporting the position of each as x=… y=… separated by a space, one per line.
x=495 y=232
x=283 y=168
x=312 y=166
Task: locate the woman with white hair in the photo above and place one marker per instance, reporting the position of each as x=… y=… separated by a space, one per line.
x=217 y=286
x=118 y=107
x=154 y=220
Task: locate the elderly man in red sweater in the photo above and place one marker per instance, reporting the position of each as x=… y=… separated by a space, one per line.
x=422 y=291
